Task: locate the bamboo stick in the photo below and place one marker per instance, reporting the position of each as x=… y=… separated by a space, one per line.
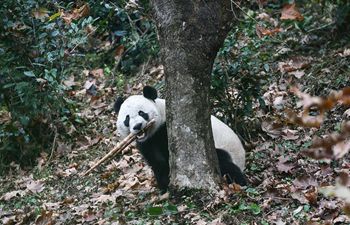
x=123 y=144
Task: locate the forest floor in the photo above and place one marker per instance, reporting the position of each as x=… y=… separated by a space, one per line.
x=284 y=183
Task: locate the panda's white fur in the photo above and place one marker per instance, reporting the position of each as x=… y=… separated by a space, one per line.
x=225 y=138
x=153 y=144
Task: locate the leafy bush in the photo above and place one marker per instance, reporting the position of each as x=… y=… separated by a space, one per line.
x=247 y=62
x=45 y=42
x=130 y=30
x=342 y=15
x=237 y=76
x=35 y=56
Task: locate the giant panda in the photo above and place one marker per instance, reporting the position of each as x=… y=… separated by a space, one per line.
x=133 y=115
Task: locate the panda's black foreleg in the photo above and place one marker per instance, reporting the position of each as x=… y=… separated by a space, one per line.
x=162 y=177
x=227 y=168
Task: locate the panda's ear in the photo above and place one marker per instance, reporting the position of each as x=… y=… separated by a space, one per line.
x=118 y=102
x=150 y=92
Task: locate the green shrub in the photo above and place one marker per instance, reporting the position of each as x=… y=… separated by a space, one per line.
x=39 y=49
x=34 y=53
x=128 y=26
x=239 y=73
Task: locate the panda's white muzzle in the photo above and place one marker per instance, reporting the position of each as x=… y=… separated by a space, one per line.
x=141 y=136
x=144 y=132
x=138 y=129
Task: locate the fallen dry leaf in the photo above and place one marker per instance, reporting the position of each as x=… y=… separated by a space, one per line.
x=341 y=149
x=52 y=206
x=97 y=73
x=311 y=195
x=298 y=195
x=5 y=117
x=298 y=73
x=298 y=210
x=102 y=198
x=216 y=222
x=280 y=222
x=345 y=53
x=289 y=134
x=119 y=52
x=45 y=218
x=278 y=102
x=40 y=13
x=271 y=128
x=88 y=84
x=283 y=165
x=291 y=12
x=35 y=186
x=70 y=82
x=9 y=195
x=66 y=173
x=131 y=183
x=8 y=220
x=78 y=13
x=293 y=64
x=341 y=219
x=89 y=215
x=67 y=201
x=304 y=182
x=261 y=31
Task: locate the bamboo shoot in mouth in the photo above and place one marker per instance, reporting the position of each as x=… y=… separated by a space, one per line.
x=122 y=145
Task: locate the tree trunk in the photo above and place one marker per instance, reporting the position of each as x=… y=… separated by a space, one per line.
x=191 y=32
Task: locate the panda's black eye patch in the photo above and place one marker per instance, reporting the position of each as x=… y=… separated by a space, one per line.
x=144 y=115
x=126 y=121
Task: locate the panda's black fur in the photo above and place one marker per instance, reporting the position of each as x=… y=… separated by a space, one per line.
x=155 y=151
x=228 y=169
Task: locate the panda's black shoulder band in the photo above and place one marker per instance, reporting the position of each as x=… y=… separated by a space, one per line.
x=150 y=92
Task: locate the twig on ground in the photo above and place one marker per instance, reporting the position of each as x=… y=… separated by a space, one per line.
x=53 y=147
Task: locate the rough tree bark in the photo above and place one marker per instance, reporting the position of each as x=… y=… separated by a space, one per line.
x=190 y=34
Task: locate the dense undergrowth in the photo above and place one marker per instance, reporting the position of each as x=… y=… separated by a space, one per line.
x=45 y=46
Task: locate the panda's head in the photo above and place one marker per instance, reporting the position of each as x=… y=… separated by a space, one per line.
x=137 y=110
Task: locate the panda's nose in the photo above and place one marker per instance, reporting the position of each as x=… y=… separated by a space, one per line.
x=137 y=126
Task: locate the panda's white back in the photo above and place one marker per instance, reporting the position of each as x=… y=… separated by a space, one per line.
x=225 y=138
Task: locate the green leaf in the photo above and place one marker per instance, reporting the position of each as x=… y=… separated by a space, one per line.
x=29 y=74
x=9 y=85
x=252 y=191
x=263 y=222
x=55 y=33
x=54 y=16
x=24 y=120
x=306 y=208
x=155 y=211
x=243 y=206
x=255 y=208
x=267 y=67
x=171 y=208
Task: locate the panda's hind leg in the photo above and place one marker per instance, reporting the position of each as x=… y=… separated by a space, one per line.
x=230 y=170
